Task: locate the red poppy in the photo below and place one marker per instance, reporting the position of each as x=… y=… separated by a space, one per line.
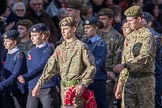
x=126 y=44
x=87 y=95
x=58 y=53
x=29 y=57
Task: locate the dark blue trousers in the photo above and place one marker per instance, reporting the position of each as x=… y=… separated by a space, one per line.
x=158 y=92
x=9 y=100
x=99 y=88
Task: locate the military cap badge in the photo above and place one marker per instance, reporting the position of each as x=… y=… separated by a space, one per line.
x=5 y=36
x=34 y=29
x=87 y=22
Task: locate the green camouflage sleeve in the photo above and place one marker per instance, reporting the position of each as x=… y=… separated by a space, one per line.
x=146 y=53
x=114 y=52
x=89 y=61
x=49 y=69
x=123 y=75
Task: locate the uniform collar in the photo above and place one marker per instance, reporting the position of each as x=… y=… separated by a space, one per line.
x=64 y=43
x=13 y=50
x=41 y=45
x=94 y=38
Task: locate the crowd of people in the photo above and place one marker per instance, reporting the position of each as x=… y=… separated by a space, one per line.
x=80 y=53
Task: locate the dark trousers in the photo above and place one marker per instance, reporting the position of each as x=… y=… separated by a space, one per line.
x=48 y=98
x=9 y=100
x=99 y=88
x=158 y=92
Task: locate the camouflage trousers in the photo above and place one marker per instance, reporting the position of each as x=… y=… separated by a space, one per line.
x=78 y=102
x=110 y=93
x=139 y=93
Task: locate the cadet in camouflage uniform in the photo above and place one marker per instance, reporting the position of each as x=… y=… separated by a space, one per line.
x=126 y=30
x=73 y=60
x=148 y=21
x=25 y=41
x=114 y=41
x=74 y=9
x=137 y=68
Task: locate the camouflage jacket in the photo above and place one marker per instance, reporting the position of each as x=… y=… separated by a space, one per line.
x=114 y=41
x=139 y=52
x=73 y=60
x=80 y=30
x=25 y=46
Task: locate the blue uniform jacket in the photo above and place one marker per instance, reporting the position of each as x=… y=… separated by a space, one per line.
x=99 y=51
x=158 y=62
x=14 y=65
x=37 y=59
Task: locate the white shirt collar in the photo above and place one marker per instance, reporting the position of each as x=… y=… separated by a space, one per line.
x=13 y=50
x=41 y=45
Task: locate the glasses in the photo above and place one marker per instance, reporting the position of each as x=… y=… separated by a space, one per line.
x=34 y=4
x=20 y=10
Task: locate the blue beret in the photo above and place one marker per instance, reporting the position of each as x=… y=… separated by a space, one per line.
x=11 y=34
x=148 y=16
x=39 y=27
x=91 y=21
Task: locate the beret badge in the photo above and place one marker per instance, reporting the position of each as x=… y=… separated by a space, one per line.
x=87 y=22
x=34 y=29
x=5 y=36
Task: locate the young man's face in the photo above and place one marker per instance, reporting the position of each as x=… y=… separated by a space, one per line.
x=9 y=44
x=133 y=22
x=37 y=38
x=90 y=30
x=23 y=31
x=68 y=32
x=72 y=12
x=126 y=29
x=146 y=23
x=105 y=20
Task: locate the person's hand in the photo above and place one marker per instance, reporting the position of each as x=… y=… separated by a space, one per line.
x=111 y=75
x=10 y=26
x=21 y=79
x=79 y=90
x=118 y=68
x=36 y=90
x=119 y=89
x=115 y=87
